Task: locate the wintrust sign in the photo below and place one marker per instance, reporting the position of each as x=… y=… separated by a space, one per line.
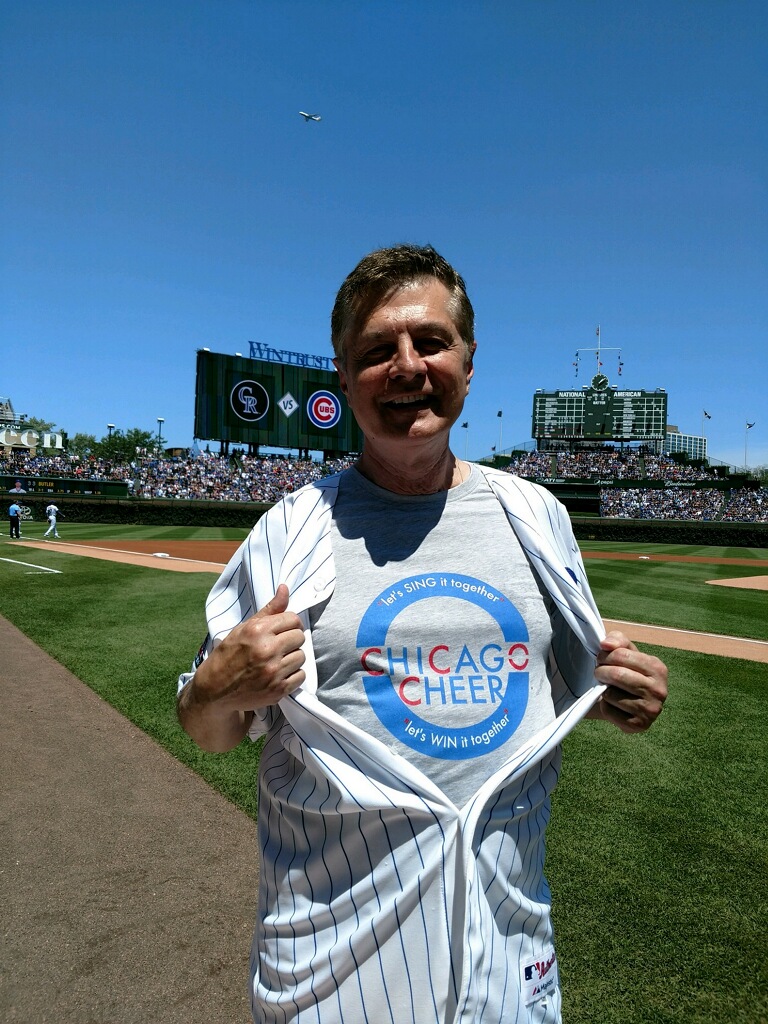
x=11 y=438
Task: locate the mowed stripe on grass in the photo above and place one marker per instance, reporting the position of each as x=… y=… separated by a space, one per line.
x=677 y=595
x=658 y=556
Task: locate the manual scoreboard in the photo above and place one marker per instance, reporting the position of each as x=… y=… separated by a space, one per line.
x=600 y=412
x=260 y=402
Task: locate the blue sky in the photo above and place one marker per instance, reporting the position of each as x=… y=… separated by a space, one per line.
x=580 y=163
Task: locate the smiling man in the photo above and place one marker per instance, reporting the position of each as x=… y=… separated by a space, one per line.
x=405 y=375
x=413 y=638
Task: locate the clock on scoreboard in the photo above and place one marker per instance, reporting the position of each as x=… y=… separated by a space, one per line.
x=600 y=412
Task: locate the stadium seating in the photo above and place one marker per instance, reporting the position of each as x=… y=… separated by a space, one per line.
x=240 y=477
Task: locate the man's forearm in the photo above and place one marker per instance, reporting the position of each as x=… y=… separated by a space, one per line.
x=213 y=727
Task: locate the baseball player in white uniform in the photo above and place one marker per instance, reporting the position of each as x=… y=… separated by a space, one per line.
x=413 y=638
x=51 y=513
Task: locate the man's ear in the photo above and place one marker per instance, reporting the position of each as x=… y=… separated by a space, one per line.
x=470 y=362
x=342 y=376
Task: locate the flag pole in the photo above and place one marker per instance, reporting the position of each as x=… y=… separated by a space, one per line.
x=597 y=369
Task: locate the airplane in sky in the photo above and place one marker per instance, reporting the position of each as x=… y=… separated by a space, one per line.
x=310 y=117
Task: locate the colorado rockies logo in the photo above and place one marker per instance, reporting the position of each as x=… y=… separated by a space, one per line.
x=485 y=681
x=249 y=401
x=324 y=409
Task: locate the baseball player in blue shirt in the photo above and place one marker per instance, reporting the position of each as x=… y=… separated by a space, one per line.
x=14 y=519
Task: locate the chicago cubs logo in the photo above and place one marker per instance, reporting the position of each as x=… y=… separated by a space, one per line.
x=483 y=683
x=324 y=409
x=249 y=401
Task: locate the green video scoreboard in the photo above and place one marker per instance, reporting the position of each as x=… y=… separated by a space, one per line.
x=279 y=405
x=600 y=412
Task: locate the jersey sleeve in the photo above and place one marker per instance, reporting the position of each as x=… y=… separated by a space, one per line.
x=247 y=583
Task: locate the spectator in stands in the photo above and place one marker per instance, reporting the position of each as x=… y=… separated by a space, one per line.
x=750 y=506
x=666 y=503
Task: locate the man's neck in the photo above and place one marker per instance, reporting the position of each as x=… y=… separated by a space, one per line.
x=427 y=474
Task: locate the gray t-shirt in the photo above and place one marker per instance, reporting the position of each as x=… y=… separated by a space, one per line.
x=437 y=636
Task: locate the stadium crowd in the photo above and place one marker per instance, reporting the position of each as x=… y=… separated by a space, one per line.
x=533 y=465
x=204 y=475
x=239 y=478
x=666 y=503
x=742 y=506
x=662 y=467
x=242 y=477
x=627 y=464
x=746 y=506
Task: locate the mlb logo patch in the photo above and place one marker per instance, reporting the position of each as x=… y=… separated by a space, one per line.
x=538 y=977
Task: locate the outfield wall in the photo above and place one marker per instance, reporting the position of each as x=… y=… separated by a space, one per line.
x=147 y=511
x=193 y=512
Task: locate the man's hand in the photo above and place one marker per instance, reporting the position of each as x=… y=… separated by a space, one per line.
x=637 y=685
x=256 y=665
x=259 y=662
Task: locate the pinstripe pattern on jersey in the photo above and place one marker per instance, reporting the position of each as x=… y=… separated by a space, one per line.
x=372 y=876
x=380 y=900
x=497 y=837
x=378 y=780
x=503 y=835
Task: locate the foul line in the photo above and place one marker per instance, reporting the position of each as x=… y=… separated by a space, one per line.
x=31 y=565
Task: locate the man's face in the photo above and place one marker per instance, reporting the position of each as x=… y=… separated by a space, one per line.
x=407 y=372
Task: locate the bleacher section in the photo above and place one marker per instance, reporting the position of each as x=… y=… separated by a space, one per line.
x=639 y=484
x=237 y=477
x=610 y=482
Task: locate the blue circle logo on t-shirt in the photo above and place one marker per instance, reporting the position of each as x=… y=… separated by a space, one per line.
x=413 y=690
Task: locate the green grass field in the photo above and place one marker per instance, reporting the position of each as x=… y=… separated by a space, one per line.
x=657 y=856
x=677 y=594
x=128 y=632
x=657 y=848
x=674 y=549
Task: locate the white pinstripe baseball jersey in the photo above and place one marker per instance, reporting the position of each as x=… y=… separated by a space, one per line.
x=379 y=899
